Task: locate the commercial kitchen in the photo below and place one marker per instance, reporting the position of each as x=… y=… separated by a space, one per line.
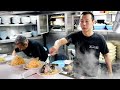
x=48 y=26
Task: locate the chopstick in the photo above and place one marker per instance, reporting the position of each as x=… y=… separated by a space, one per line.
x=29 y=75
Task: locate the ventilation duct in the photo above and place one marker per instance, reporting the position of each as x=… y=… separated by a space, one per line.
x=116 y=24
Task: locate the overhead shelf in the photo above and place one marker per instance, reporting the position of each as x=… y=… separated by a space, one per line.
x=104 y=30
x=16 y=24
x=12 y=40
x=105 y=13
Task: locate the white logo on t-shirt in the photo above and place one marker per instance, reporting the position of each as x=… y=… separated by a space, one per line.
x=93 y=47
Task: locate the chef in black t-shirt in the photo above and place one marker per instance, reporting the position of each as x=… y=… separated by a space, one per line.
x=31 y=48
x=88 y=46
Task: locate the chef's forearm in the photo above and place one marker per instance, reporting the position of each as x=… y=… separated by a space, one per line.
x=108 y=63
x=59 y=43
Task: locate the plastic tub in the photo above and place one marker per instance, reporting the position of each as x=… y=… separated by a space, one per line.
x=60 y=63
x=109 y=27
x=99 y=26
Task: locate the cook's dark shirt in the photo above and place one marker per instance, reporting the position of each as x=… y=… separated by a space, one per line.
x=35 y=49
x=87 y=51
x=84 y=44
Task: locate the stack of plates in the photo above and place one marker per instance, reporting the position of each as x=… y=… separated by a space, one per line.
x=25 y=20
x=117 y=44
x=112 y=52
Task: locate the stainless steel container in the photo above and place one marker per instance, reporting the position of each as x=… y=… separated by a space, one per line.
x=6 y=48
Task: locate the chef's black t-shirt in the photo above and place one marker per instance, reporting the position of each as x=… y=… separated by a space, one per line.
x=84 y=44
x=88 y=49
x=35 y=49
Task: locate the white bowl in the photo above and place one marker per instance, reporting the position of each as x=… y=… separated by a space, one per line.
x=25 y=20
x=68 y=61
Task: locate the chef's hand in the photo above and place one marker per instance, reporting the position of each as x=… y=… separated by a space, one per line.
x=110 y=75
x=14 y=53
x=53 y=51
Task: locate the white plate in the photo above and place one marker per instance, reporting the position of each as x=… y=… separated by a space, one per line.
x=2 y=62
x=24 y=66
x=16 y=66
x=68 y=61
x=7 y=58
x=28 y=73
x=47 y=76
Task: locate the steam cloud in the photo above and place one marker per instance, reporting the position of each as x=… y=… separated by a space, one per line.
x=85 y=64
x=88 y=65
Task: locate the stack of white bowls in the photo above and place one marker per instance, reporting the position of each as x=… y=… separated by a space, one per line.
x=25 y=20
x=16 y=19
x=33 y=19
x=6 y=19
